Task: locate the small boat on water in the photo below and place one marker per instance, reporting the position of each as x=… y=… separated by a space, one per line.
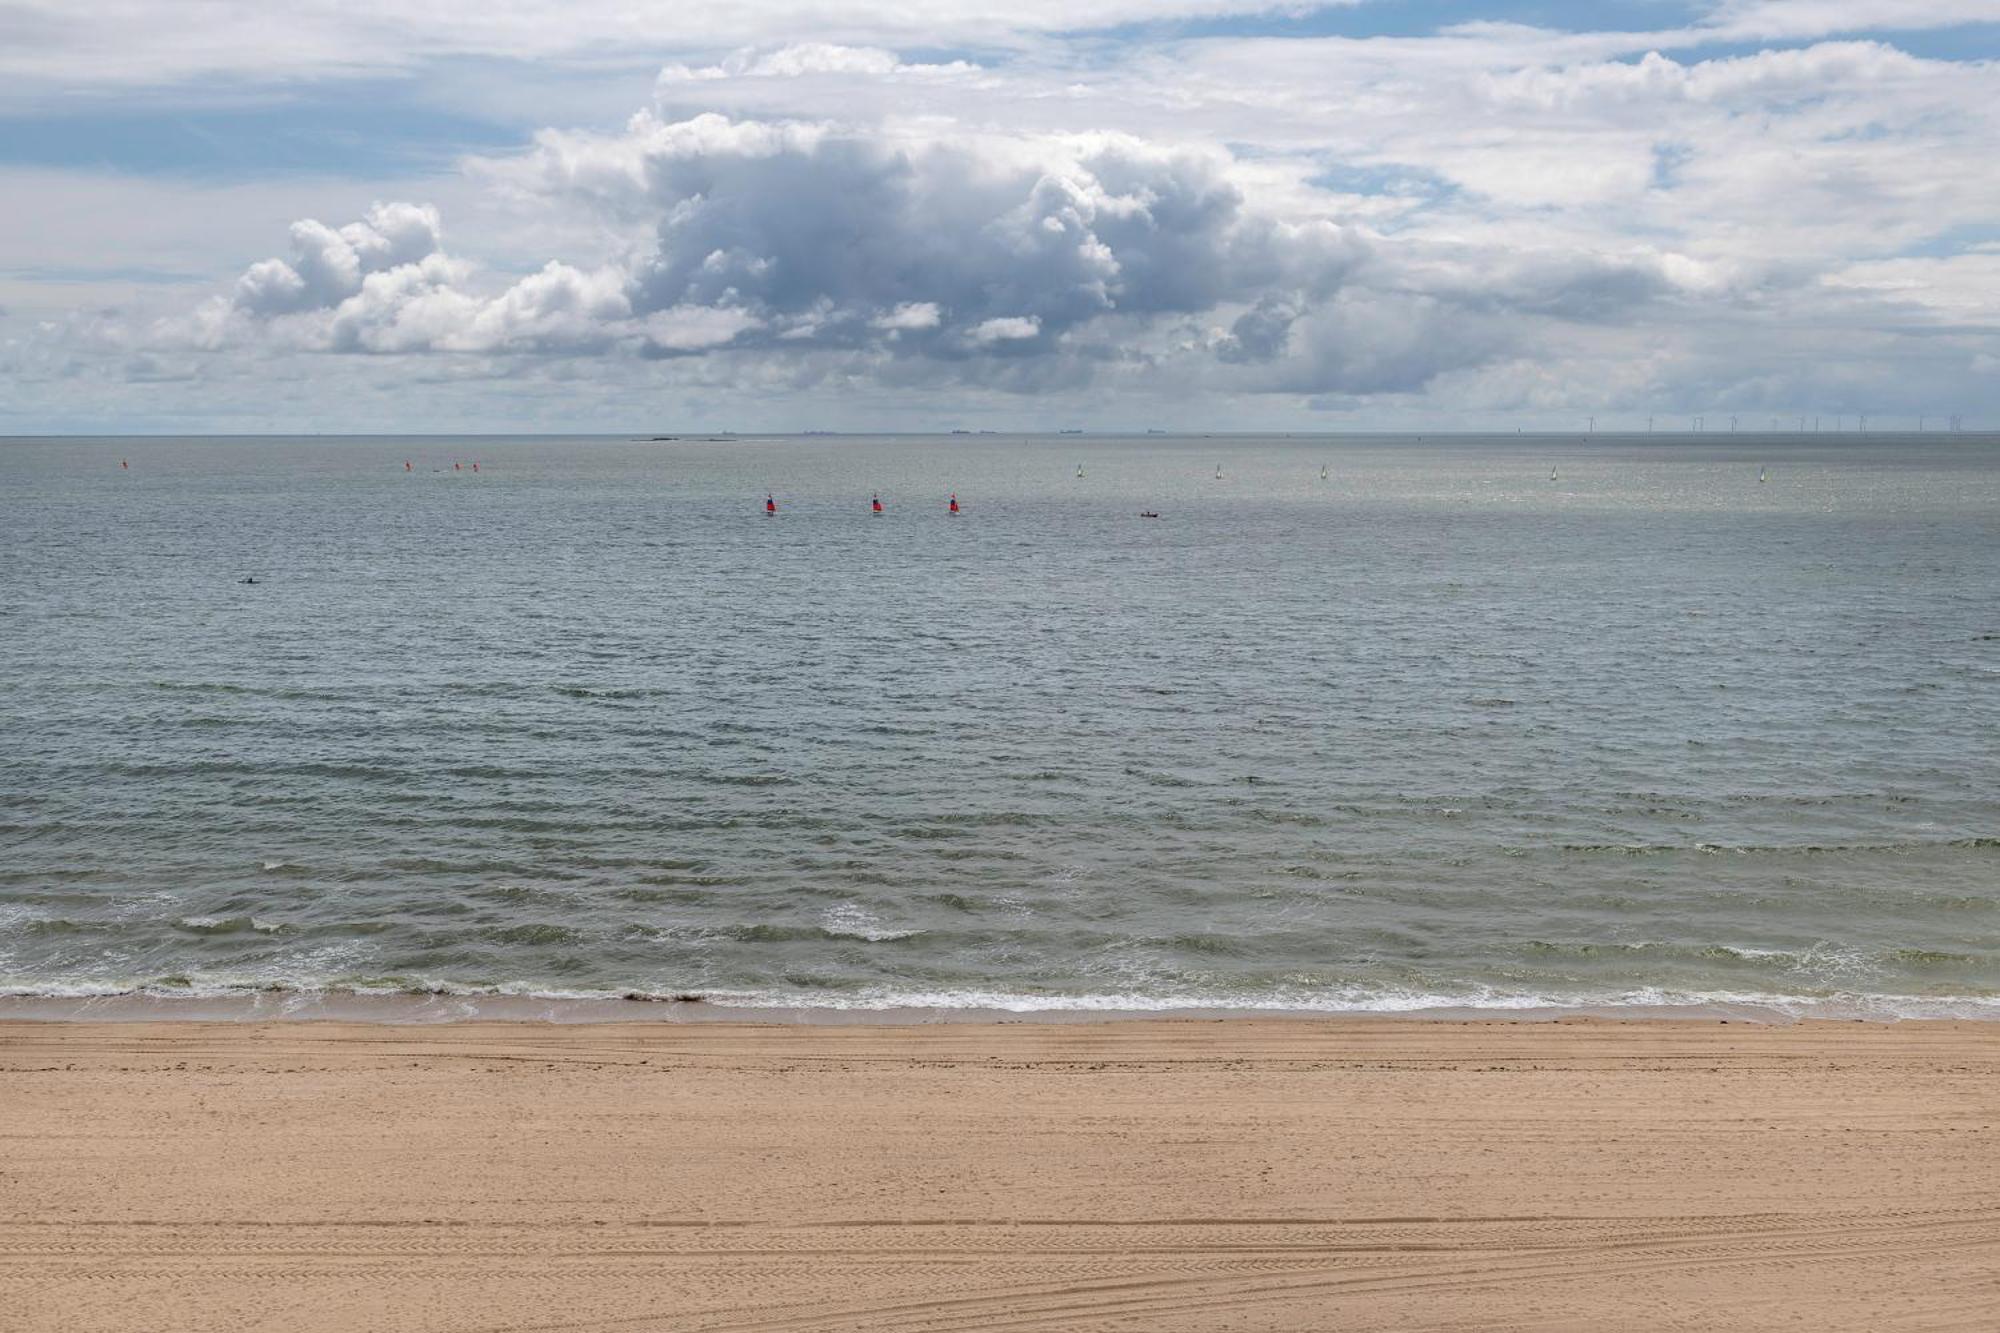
x=1763 y=475
x=1149 y=513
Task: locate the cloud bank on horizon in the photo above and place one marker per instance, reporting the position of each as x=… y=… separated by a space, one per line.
x=1230 y=214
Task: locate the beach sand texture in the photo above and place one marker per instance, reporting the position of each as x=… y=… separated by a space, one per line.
x=1140 y=1175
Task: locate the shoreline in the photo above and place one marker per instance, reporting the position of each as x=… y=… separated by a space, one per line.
x=403 y=1008
x=1183 y=1175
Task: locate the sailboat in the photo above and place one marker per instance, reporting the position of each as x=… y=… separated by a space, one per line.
x=1763 y=475
x=1552 y=472
x=1218 y=472
x=1322 y=472
x=1079 y=472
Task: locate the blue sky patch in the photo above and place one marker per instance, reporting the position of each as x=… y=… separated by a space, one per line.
x=1395 y=179
x=368 y=131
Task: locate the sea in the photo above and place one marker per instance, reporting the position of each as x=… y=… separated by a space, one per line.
x=1410 y=724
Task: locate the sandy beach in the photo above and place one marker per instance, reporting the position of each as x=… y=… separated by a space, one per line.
x=1240 y=1175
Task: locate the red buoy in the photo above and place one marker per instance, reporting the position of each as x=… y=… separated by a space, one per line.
x=407 y=467
x=878 y=503
x=770 y=505
x=475 y=467
x=455 y=467
x=954 y=503
x=124 y=465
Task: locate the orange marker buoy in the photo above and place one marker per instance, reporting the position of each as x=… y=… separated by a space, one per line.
x=878 y=503
x=770 y=506
x=954 y=503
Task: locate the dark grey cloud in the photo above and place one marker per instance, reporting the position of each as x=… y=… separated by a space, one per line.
x=824 y=237
x=1261 y=332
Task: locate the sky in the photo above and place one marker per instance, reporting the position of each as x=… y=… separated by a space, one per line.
x=779 y=215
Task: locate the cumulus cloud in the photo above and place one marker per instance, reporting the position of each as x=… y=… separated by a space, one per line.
x=1004 y=328
x=911 y=316
x=1259 y=333
x=849 y=226
x=1016 y=262
x=1498 y=212
x=383 y=285
x=328 y=265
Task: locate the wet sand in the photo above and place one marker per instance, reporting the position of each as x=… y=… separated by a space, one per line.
x=1145 y=1175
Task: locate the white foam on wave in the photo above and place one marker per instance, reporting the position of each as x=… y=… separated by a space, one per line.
x=16 y=915
x=462 y=1000
x=857 y=922
x=1358 y=1000
x=74 y=990
x=263 y=925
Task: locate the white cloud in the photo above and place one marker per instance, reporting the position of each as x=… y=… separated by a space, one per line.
x=1767 y=20
x=125 y=42
x=328 y=266
x=1016 y=262
x=1006 y=328
x=911 y=316
x=1492 y=215
x=693 y=328
x=1958 y=288
x=804 y=59
x=382 y=286
x=113 y=43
